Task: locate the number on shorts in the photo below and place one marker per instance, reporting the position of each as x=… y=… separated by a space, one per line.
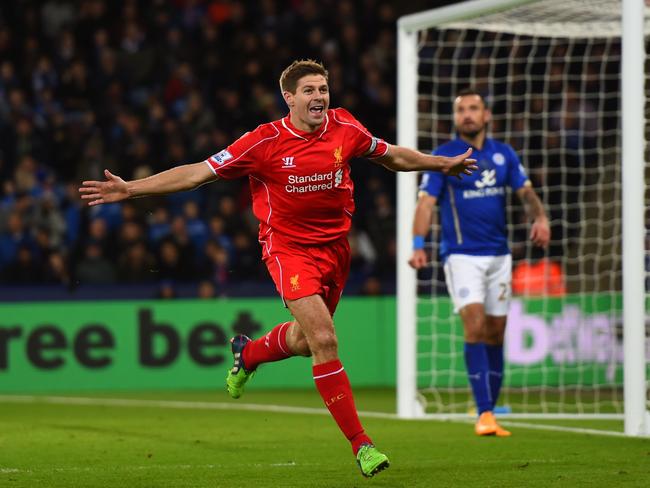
x=504 y=291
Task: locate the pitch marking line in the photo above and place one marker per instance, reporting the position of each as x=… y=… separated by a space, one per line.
x=560 y=428
x=80 y=469
x=252 y=407
x=124 y=402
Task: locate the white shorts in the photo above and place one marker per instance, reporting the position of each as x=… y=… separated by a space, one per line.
x=480 y=279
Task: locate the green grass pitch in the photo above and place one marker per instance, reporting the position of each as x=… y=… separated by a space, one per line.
x=154 y=444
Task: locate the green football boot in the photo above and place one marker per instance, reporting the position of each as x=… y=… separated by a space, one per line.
x=371 y=461
x=238 y=375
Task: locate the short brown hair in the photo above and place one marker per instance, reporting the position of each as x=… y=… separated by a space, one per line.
x=296 y=70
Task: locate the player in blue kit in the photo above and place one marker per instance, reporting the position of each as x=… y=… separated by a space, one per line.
x=474 y=245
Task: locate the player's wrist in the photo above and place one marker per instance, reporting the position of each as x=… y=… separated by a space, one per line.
x=541 y=220
x=418 y=243
x=131 y=190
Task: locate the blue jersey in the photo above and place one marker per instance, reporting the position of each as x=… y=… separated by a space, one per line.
x=473 y=209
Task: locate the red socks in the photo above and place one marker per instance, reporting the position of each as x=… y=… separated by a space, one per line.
x=268 y=348
x=330 y=378
x=334 y=387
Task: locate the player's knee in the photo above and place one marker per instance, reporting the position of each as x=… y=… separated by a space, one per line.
x=324 y=341
x=495 y=329
x=494 y=336
x=300 y=347
x=473 y=338
x=474 y=333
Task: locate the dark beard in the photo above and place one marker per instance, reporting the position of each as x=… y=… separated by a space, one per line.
x=470 y=134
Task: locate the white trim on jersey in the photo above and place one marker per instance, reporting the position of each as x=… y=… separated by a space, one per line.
x=268 y=199
x=268 y=242
x=353 y=125
x=281 y=282
x=327 y=122
x=297 y=135
x=207 y=161
x=381 y=155
x=373 y=140
x=254 y=145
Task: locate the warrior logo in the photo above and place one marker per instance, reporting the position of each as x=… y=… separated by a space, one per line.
x=288 y=162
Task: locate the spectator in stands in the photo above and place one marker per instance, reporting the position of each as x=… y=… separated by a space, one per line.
x=94 y=268
x=188 y=252
x=98 y=234
x=166 y=290
x=206 y=290
x=14 y=237
x=136 y=264
x=197 y=230
x=217 y=267
x=170 y=265
x=25 y=269
x=55 y=270
x=97 y=83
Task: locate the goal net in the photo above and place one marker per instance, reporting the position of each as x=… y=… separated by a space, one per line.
x=551 y=73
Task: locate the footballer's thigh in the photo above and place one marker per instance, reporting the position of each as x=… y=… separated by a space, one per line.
x=498 y=286
x=316 y=324
x=466 y=279
x=299 y=281
x=466 y=284
x=498 y=296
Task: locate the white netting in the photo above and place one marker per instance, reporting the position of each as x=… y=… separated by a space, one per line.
x=550 y=72
x=554 y=18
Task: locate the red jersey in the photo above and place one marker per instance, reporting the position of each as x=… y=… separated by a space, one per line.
x=300 y=181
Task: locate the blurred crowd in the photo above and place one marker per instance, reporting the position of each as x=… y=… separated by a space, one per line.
x=138 y=87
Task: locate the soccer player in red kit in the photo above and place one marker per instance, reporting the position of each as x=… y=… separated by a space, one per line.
x=302 y=193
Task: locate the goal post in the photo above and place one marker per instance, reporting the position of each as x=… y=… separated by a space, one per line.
x=637 y=419
x=550 y=70
x=407 y=404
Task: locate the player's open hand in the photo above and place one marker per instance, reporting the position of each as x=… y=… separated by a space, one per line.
x=112 y=190
x=540 y=233
x=459 y=165
x=418 y=259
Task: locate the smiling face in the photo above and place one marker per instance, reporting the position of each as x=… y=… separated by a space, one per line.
x=309 y=103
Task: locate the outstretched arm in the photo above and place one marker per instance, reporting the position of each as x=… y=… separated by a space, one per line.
x=114 y=189
x=540 y=232
x=400 y=158
x=421 y=227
